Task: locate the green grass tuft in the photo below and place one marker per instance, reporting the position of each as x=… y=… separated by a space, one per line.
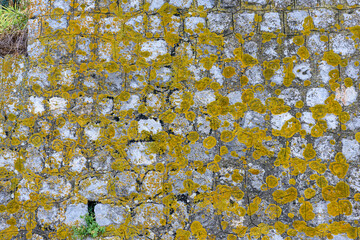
x=14 y=18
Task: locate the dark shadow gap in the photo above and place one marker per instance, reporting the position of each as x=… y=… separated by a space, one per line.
x=91 y=208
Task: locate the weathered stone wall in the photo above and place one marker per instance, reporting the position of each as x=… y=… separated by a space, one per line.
x=183 y=119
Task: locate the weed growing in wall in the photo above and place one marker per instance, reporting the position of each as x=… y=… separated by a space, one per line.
x=91 y=228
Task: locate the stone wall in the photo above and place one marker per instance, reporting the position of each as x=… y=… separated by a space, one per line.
x=183 y=119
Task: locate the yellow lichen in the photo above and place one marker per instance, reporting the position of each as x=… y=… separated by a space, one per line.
x=309 y=193
x=321 y=181
x=319 y=111
x=273 y=211
x=309 y=152
x=36 y=140
x=236 y=176
x=299 y=104
x=209 y=142
x=168 y=116
x=248 y=60
x=276 y=105
x=244 y=80
x=280 y=227
x=247 y=95
x=332 y=58
x=272 y=181
x=298 y=40
x=257 y=106
x=348 y=82
x=339 y=167
x=317 y=166
x=290 y=127
x=303 y=53
x=227 y=136
x=202 y=84
x=266 y=36
x=286 y=196
x=355 y=31
x=193 y=136
x=324 y=38
x=306 y=211
x=357 y=137
x=228 y=72
x=344 y=117
x=254 y=206
x=268 y=73
x=340 y=207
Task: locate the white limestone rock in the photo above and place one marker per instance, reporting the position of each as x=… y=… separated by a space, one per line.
x=219 y=22
x=56 y=187
x=342 y=45
x=323 y=18
x=307 y=121
x=132 y=103
x=206 y=3
x=234 y=97
x=316 y=96
x=92 y=132
x=156 y=48
x=203 y=98
x=302 y=71
x=149 y=125
x=47 y=216
x=137 y=154
x=324 y=71
x=181 y=3
x=295 y=19
x=315 y=45
x=155 y=4
x=290 y=96
x=346 y=96
x=271 y=22
x=277 y=121
x=350 y=149
x=149 y=214
x=125 y=183
x=36 y=105
x=245 y=22
x=191 y=23
x=73 y=213
x=93 y=188
x=57 y=105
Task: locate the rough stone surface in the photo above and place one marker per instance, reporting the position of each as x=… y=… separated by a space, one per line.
x=182 y=119
x=106 y=215
x=73 y=213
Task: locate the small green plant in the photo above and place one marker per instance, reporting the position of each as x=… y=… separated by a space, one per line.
x=91 y=228
x=13 y=18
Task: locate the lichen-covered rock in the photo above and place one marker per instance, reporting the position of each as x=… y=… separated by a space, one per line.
x=271 y=22
x=106 y=214
x=149 y=214
x=56 y=187
x=48 y=216
x=316 y=96
x=219 y=22
x=245 y=22
x=138 y=155
x=125 y=183
x=93 y=189
x=73 y=213
x=183 y=119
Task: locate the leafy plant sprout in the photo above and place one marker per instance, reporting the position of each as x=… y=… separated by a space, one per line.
x=91 y=227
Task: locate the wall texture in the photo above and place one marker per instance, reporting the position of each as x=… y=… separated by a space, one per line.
x=183 y=119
